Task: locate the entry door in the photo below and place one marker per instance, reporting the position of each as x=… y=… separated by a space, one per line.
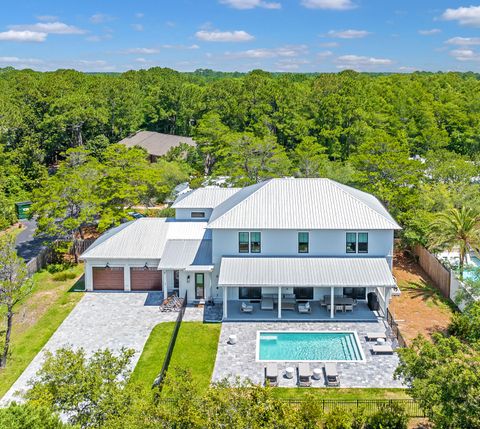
x=176 y=280
x=199 y=286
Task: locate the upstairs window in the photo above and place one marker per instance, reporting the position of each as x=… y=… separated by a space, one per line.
x=255 y=242
x=303 y=242
x=197 y=215
x=363 y=242
x=351 y=242
x=243 y=242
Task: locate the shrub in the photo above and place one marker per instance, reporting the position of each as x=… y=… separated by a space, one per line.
x=28 y=416
x=56 y=268
x=338 y=419
x=166 y=212
x=63 y=275
x=390 y=416
x=466 y=325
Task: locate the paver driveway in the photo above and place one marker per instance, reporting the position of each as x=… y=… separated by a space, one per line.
x=101 y=320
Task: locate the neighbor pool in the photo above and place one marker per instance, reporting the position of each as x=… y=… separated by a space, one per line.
x=309 y=346
x=472 y=272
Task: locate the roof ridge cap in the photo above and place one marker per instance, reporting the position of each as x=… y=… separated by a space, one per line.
x=334 y=183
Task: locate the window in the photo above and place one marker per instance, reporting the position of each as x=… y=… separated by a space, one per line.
x=363 y=242
x=197 y=214
x=250 y=293
x=199 y=286
x=355 y=292
x=303 y=292
x=303 y=242
x=255 y=242
x=243 y=242
x=351 y=242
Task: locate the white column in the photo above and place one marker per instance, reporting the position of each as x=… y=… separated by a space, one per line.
x=225 y=300
x=164 y=284
x=279 y=302
x=332 y=303
x=126 y=278
x=88 y=276
x=386 y=292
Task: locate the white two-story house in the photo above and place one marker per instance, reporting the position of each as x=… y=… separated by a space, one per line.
x=282 y=241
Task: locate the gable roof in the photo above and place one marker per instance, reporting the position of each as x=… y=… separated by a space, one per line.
x=209 y=197
x=156 y=144
x=180 y=254
x=301 y=204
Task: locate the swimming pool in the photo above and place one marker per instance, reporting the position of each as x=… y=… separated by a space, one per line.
x=473 y=271
x=309 y=346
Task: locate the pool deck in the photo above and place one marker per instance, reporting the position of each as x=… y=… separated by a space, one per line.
x=239 y=360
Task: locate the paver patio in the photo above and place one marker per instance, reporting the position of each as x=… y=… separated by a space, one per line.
x=105 y=320
x=239 y=360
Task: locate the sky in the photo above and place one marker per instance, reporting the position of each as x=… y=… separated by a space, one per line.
x=241 y=35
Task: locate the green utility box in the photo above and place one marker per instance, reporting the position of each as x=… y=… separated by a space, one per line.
x=22 y=209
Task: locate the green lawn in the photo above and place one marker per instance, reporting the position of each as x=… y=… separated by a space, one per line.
x=196 y=349
x=37 y=319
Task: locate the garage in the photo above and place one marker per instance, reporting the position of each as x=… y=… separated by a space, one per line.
x=142 y=278
x=110 y=278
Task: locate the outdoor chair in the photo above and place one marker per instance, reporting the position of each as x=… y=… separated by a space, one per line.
x=245 y=308
x=271 y=374
x=331 y=374
x=384 y=348
x=375 y=336
x=304 y=374
x=304 y=308
x=339 y=308
x=348 y=307
x=266 y=304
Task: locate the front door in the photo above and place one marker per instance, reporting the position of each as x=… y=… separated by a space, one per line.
x=199 y=286
x=176 y=280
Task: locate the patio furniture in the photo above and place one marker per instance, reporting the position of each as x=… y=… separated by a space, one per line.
x=271 y=374
x=232 y=339
x=339 y=308
x=317 y=373
x=380 y=341
x=304 y=374
x=375 y=336
x=245 y=308
x=384 y=349
x=266 y=304
x=331 y=374
x=348 y=307
x=323 y=303
x=289 y=372
x=304 y=308
x=288 y=304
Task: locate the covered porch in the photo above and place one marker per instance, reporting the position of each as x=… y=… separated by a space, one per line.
x=274 y=282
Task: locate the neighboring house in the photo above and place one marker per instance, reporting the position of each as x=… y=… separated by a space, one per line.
x=156 y=144
x=301 y=238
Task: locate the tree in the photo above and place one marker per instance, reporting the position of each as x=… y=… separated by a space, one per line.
x=309 y=158
x=456 y=228
x=466 y=325
x=28 y=416
x=87 y=390
x=14 y=287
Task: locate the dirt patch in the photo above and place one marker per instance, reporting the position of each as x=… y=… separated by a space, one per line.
x=420 y=309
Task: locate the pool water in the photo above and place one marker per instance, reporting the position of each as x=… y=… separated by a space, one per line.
x=472 y=273
x=309 y=346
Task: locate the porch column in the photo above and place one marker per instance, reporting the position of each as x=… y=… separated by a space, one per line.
x=165 y=284
x=332 y=303
x=279 y=302
x=88 y=276
x=385 y=301
x=225 y=300
x=126 y=278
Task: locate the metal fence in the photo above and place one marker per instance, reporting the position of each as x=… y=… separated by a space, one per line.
x=395 y=329
x=166 y=362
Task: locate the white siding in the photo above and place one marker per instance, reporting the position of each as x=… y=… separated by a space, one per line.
x=187 y=213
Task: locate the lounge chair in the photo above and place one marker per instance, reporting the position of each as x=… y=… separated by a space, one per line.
x=331 y=374
x=266 y=304
x=245 y=308
x=304 y=308
x=271 y=374
x=385 y=348
x=375 y=336
x=304 y=375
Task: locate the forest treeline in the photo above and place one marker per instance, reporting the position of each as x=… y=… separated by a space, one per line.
x=411 y=139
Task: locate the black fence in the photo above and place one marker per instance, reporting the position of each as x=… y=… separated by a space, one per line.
x=395 y=329
x=166 y=362
x=368 y=406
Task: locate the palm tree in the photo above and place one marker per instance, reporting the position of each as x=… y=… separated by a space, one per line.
x=456 y=228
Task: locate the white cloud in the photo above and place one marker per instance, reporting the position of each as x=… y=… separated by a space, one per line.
x=329 y=4
x=49 y=28
x=329 y=44
x=324 y=54
x=223 y=36
x=465 y=55
x=464 y=15
x=348 y=34
x=407 y=69
x=291 y=64
x=17 y=60
x=100 y=18
x=430 y=32
x=194 y=46
x=361 y=62
x=47 y=18
x=261 y=53
x=22 y=36
x=139 y=15
x=251 y=4
x=137 y=27
x=141 y=51
x=464 y=41
x=142 y=60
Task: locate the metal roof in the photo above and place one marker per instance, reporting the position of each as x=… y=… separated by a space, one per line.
x=180 y=254
x=301 y=204
x=305 y=272
x=143 y=238
x=209 y=197
x=154 y=143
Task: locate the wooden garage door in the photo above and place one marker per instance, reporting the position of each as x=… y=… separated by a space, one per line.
x=145 y=279
x=108 y=278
